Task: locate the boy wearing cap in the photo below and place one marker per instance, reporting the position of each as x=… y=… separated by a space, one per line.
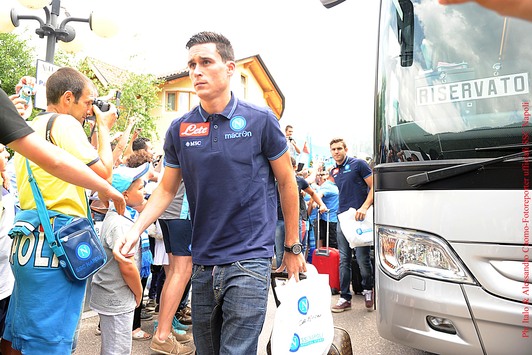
x=116 y=288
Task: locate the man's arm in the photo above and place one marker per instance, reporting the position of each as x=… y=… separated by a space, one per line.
x=123 y=140
x=159 y=200
x=104 y=120
x=361 y=212
x=284 y=173
x=514 y=8
x=65 y=166
x=129 y=148
x=317 y=198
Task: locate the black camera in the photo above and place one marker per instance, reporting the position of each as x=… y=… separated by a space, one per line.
x=104 y=106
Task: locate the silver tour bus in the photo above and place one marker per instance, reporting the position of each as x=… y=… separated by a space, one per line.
x=452 y=201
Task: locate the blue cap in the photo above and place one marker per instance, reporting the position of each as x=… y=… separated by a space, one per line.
x=124 y=176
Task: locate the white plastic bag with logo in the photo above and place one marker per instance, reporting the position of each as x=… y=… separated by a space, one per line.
x=303 y=322
x=357 y=233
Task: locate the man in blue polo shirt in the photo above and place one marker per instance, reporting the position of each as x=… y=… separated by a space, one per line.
x=354 y=179
x=228 y=152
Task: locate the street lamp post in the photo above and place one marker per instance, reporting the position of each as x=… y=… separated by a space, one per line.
x=99 y=24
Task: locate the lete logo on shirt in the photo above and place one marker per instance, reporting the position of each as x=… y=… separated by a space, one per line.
x=194 y=129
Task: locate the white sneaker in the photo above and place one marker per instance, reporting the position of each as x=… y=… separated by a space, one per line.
x=341 y=305
x=368 y=297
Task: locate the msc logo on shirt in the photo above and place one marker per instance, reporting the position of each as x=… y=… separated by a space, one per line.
x=194 y=129
x=193 y=144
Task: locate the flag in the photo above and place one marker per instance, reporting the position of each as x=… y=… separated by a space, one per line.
x=304 y=157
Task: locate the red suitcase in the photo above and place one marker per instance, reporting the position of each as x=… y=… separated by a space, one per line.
x=327 y=261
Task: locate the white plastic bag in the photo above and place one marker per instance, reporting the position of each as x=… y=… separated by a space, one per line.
x=357 y=233
x=303 y=322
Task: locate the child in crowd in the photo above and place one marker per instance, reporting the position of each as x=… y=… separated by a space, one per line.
x=116 y=288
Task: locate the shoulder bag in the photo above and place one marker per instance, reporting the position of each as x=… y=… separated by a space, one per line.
x=76 y=244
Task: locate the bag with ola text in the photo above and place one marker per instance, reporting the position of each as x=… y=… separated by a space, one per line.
x=303 y=322
x=76 y=244
x=357 y=233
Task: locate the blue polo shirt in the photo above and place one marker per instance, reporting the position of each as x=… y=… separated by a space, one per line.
x=349 y=177
x=225 y=161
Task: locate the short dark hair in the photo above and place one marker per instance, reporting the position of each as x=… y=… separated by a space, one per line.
x=287 y=126
x=223 y=46
x=139 y=143
x=63 y=80
x=338 y=140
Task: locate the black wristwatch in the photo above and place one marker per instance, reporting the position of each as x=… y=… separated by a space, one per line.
x=295 y=249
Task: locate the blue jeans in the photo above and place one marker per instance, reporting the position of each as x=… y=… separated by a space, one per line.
x=229 y=306
x=364 y=263
x=279 y=242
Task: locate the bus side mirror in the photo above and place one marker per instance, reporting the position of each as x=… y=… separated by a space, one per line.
x=331 y=3
x=405 y=31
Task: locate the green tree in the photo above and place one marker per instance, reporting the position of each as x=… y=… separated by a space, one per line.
x=139 y=91
x=138 y=98
x=16 y=60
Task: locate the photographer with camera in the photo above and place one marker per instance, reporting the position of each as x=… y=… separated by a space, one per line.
x=70 y=96
x=104 y=106
x=292 y=146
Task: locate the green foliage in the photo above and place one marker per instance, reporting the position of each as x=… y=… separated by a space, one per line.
x=139 y=92
x=16 y=60
x=64 y=59
x=139 y=98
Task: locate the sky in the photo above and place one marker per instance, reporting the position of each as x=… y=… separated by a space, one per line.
x=323 y=60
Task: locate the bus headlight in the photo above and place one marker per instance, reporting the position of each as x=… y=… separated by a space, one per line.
x=403 y=252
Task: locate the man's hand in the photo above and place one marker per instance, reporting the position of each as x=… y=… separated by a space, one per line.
x=116 y=136
x=21 y=105
x=515 y=8
x=25 y=80
x=123 y=247
x=107 y=118
x=6 y=182
x=294 y=264
x=361 y=214
x=112 y=194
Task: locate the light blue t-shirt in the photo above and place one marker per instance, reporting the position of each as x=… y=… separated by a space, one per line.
x=330 y=199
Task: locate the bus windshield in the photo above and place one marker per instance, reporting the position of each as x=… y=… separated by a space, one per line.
x=453 y=82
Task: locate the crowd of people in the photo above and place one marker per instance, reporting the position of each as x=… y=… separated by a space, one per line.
x=193 y=234
x=161 y=217
x=330 y=191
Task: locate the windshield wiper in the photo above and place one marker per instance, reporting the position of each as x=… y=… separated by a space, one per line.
x=444 y=173
x=505 y=147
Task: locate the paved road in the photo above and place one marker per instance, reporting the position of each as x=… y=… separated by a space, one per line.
x=358 y=322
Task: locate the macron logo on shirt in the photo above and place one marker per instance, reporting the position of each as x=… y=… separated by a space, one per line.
x=194 y=129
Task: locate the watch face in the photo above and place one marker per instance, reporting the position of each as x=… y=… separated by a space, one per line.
x=297 y=248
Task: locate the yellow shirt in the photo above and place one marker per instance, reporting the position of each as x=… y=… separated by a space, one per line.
x=58 y=195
